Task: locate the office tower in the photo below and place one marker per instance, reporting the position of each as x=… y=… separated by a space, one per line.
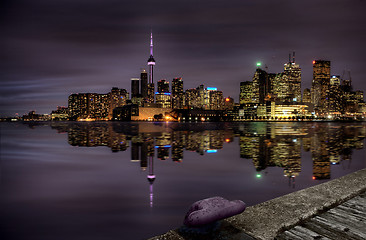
x=162 y=96
x=228 y=103
x=118 y=98
x=163 y=86
x=163 y=99
x=177 y=93
x=260 y=86
x=306 y=97
x=177 y=86
x=335 y=95
x=320 y=86
x=143 y=82
x=292 y=71
x=135 y=88
x=150 y=92
x=192 y=98
x=215 y=100
x=151 y=64
x=246 y=92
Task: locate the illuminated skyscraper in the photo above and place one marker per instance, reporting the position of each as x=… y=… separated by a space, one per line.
x=193 y=98
x=143 y=82
x=286 y=86
x=246 y=92
x=162 y=96
x=177 y=93
x=335 y=95
x=89 y=106
x=293 y=73
x=216 y=100
x=163 y=86
x=118 y=98
x=306 y=98
x=260 y=85
x=320 y=85
x=135 y=87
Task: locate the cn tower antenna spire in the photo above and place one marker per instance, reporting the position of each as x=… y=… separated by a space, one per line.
x=151 y=45
x=151 y=60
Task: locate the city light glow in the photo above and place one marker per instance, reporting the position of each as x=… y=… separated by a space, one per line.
x=211 y=151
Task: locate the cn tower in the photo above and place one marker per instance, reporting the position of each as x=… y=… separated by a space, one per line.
x=151 y=61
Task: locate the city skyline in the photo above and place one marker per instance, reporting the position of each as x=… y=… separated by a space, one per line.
x=62 y=49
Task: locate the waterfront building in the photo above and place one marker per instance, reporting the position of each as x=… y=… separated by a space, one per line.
x=163 y=96
x=292 y=71
x=306 y=98
x=193 y=98
x=215 y=99
x=261 y=86
x=150 y=93
x=33 y=116
x=163 y=86
x=281 y=87
x=143 y=86
x=118 y=98
x=335 y=96
x=246 y=92
x=163 y=99
x=61 y=114
x=135 y=87
x=320 y=86
x=78 y=105
x=177 y=94
x=228 y=103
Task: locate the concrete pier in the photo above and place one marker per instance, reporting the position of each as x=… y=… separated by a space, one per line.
x=270 y=220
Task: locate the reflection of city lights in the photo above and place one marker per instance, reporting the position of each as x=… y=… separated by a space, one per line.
x=211 y=151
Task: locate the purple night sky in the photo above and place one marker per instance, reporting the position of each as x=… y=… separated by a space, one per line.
x=52 y=49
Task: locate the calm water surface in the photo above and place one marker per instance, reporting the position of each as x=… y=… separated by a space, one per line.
x=137 y=180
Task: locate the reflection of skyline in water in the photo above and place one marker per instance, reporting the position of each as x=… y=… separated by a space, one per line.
x=266 y=144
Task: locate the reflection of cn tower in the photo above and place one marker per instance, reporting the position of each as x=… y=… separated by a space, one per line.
x=151 y=179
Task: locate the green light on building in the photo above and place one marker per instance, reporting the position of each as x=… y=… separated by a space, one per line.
x=259 y=64
x=258 y=175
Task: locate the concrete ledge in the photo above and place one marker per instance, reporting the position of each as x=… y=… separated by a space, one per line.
x=265 y=220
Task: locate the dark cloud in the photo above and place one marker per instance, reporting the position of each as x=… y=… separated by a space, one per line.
x=94 y=45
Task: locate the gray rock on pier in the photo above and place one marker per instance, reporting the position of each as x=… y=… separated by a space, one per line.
x=210 y=210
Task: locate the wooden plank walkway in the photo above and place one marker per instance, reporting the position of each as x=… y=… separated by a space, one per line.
x=346 y=221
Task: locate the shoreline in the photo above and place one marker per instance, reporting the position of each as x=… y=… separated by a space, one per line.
x=266 y=220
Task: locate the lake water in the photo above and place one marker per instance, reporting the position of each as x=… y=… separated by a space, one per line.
x=114 y=180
